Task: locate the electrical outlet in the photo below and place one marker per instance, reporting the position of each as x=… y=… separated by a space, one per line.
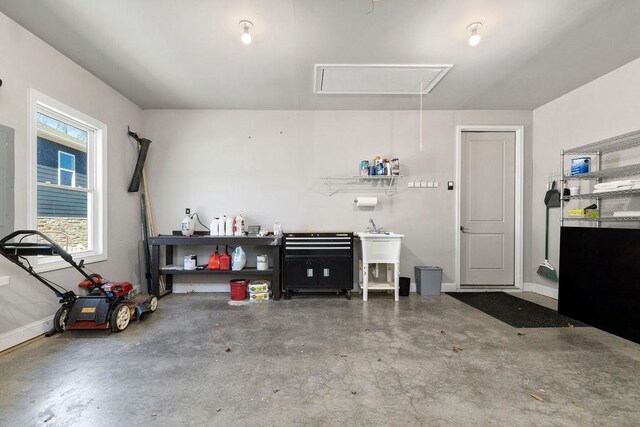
x=4 y=281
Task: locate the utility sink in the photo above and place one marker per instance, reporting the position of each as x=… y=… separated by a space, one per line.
x=380 y=248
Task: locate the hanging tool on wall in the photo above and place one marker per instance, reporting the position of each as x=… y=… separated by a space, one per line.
x=144 y=143
x=147 y=224
x=551 y=200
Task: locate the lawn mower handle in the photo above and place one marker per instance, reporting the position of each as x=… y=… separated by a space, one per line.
x=55 y=250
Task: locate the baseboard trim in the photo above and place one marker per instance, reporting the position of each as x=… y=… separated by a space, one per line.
x=449 y=287
x=25 y=333
x=544 y=290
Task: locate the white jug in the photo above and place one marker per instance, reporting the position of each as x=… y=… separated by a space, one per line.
x=221 y=224
x=239 y=226
x=213 y=228
x=228 y=226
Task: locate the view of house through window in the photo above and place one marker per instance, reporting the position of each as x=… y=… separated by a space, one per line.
x=63 y=195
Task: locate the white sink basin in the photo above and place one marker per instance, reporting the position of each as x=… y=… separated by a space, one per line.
x=369 y=235
x=380 y=247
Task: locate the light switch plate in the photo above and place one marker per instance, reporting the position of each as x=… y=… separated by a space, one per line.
x=5 y=280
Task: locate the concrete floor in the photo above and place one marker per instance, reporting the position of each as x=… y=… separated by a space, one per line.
x=322 y=361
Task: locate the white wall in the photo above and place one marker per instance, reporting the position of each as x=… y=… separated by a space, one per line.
x=267 y=165
x=28 y=62
x=605 y=107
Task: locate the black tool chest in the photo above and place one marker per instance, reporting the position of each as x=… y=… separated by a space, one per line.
x=317 y=262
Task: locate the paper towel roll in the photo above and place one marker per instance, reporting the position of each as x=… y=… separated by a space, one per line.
x=366 y=202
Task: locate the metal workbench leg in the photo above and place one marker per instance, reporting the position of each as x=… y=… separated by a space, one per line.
x=276 y=285
x=365 y=281
x=155 y=270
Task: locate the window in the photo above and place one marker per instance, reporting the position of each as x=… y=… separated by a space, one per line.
x=66 y=169
x=67 y=198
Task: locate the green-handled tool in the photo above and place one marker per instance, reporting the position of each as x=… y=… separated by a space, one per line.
x=545 y=269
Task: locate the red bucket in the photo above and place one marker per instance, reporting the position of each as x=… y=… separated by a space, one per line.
x=238 y=289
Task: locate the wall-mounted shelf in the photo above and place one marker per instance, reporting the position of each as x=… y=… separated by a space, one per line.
x=597 y=149
x=606 y=194
x=609 y=145
x=618 y=172
x=605 y=219
x=361 y=184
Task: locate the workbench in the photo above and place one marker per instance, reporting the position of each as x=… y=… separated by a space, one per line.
x=170 y=242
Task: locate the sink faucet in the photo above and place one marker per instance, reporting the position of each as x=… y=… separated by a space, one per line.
x=373 y=227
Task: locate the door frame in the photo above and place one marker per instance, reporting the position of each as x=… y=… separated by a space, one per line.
x=519 y=201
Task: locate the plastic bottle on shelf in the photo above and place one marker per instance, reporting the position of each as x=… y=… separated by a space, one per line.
x=213 y=228
x=228 y=226
x=221 y=225
x=277 y=228
x=239 y=226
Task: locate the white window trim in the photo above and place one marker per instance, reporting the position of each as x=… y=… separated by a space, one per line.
x=96 y=178
x=61 y=169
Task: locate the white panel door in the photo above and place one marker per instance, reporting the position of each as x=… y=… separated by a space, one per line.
x=487 y=209
x=6 y=180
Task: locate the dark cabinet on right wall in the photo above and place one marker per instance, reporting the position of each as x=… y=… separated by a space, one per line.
x=600 y=278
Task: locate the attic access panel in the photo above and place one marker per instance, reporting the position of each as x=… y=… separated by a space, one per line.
x=344 y=79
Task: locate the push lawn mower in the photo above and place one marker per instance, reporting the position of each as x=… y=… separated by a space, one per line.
x=108 y=305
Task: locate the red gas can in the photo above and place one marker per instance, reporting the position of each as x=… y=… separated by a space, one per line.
x=225 y=260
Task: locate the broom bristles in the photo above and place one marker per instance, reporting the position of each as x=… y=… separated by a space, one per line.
x=547 y=271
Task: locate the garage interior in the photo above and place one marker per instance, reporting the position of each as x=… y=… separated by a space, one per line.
x=362 y=212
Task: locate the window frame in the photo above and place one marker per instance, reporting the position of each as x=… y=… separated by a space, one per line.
x=96 y=178
x=61 y=169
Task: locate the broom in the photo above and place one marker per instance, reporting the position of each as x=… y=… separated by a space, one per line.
x=546 y=270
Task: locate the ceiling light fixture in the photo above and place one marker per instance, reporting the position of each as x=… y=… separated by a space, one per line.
x=246 y=36
x=474 y=39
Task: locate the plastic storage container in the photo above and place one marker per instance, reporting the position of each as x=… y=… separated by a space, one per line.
x=428 y=280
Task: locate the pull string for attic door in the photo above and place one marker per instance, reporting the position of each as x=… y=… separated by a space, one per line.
x=421 y=95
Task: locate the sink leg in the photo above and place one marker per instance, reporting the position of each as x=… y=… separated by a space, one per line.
x=365 y=281
x=396 y=277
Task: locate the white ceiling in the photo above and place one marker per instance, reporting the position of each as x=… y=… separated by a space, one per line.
x=187 y=54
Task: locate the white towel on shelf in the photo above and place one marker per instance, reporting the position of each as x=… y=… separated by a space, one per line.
x=608 y=190
x=626 y=213
x=616 y=184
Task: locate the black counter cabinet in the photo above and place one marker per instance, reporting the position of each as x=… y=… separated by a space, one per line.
x=600 y=278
